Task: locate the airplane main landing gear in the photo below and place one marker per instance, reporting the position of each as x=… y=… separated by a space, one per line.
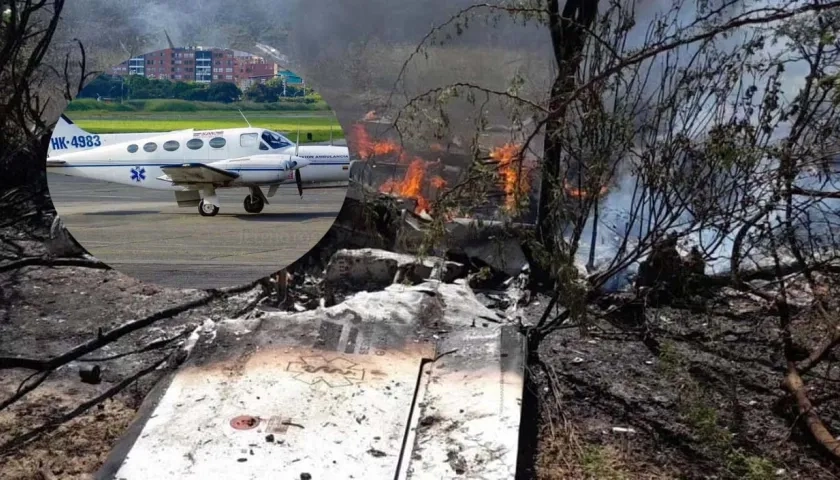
x=253 y=204
x=207 y=209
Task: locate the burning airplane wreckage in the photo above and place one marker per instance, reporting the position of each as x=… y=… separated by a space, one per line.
x=380 y=364
x=413 y=180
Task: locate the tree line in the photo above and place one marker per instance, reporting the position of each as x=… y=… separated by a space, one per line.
x=136 y=87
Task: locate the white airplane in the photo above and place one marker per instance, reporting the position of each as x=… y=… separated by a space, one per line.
x=194 y=163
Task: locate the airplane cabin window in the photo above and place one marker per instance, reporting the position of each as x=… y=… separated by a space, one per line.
x=150 y=147
x=263 y=146
x=132 y=148
x=171 y=146
x=217 y=142
x=275 y=140
x=248 y=139
x=195 y=144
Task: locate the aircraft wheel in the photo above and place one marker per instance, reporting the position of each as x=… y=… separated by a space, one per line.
x=253 y=204
x=207 y=209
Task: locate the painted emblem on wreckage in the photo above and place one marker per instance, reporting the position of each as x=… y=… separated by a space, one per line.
x=336 y=372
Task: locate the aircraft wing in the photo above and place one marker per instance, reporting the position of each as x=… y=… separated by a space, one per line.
x=344 y=391
x=196 y=173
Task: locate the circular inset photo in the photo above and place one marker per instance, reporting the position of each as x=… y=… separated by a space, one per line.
x=198 y=167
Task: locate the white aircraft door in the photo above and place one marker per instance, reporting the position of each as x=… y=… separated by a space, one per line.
x=173 y=150
x=197 y=150
x=218 y=148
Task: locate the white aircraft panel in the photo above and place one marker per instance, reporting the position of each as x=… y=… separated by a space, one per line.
x=332 y=415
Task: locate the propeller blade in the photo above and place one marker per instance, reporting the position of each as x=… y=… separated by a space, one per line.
x=298 y=141
x=299 y=182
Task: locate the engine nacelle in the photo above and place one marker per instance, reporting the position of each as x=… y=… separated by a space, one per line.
x=263 y=169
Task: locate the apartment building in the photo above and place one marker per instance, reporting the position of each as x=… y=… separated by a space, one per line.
x=203 y=65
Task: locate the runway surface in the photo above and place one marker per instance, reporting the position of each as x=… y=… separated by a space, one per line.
x=143 y=233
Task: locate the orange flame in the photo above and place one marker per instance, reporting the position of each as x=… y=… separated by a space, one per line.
x=368 y=147
x=510 y=168
x=411 y=186
x=581 y=193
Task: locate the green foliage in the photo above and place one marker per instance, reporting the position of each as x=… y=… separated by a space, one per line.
x=750 y=467
x=704 y=420
x=170 y=106
x=158 y=105
x=598 y=464
x=89 y=105
x=669 y=360
x=139 y=87
x=272 y=91
x=223 y=92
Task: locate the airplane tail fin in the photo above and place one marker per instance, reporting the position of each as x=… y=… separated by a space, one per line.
x=68 y=137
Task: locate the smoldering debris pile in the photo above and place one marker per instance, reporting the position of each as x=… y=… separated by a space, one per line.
x=337 y=269
x=417 y=174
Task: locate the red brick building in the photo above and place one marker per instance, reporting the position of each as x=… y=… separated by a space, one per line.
x=200 y=65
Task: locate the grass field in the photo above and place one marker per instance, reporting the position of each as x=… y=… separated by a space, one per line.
x=316 y=123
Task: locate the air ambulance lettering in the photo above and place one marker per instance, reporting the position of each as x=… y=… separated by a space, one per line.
x=217 y=133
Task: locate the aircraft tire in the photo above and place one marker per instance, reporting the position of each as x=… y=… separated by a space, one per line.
x=253 y=204
x=205 y=213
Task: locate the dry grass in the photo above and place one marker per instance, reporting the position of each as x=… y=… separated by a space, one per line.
x=72 y=452
x=563 y=453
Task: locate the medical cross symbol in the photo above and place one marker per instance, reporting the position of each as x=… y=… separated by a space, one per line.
x=138 y=174
x=338 y=372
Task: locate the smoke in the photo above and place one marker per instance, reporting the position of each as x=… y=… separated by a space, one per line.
x=351 y=52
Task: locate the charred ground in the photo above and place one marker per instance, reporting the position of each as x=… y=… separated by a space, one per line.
x=637 y=391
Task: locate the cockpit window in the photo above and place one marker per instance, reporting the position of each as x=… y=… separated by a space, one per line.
x=248 y=139
x=275 y=140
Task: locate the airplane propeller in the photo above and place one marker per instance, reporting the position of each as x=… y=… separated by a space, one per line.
x=291 y=165
x=299 y=182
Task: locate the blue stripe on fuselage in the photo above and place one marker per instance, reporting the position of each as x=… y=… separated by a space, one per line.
x=177 y=164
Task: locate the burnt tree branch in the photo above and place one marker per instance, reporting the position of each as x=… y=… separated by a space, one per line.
x=81 y=408
x=52 y=262
x=118 y=332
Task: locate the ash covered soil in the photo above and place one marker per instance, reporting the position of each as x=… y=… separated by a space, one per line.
x=688 y=392
x=695 y=393
x=48 y=311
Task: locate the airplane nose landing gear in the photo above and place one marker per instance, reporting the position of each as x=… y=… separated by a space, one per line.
x=253 y=204
x=207 y=209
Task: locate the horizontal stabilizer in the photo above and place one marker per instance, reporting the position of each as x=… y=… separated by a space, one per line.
x=55 y=163
x=196 y=173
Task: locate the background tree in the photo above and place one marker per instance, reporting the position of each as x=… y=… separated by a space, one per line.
x=688 y=131
x=225 y=92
